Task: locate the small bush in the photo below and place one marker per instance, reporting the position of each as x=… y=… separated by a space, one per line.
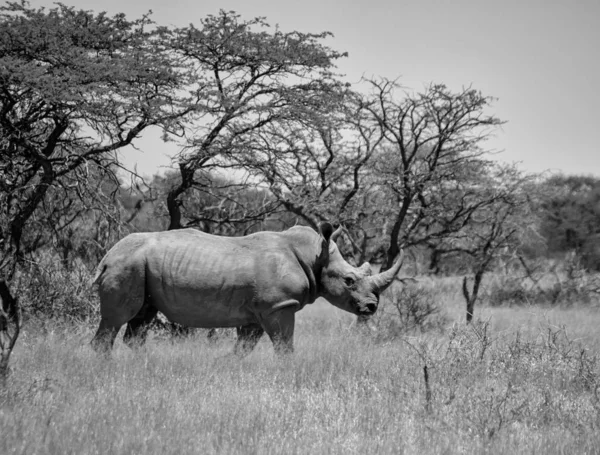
x=565 y=283
x=486 y=384
x=48 y=291
x=513 y=291
x=409 y=308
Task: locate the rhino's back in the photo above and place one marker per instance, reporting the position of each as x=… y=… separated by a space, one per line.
x=203 y=280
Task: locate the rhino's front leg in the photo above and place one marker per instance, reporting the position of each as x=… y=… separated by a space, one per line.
x=248 y=336
x=279 y=325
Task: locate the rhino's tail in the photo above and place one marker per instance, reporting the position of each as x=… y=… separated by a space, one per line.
x=99 y=272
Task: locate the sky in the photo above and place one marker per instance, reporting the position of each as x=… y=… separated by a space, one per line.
x=539 y=58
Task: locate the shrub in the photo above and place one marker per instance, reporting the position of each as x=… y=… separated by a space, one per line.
x=485 y=383
x=408 y=308
x=48 y=291
x=564 y=283
x=507 y=290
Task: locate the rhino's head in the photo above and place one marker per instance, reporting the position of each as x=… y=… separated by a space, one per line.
x=353 y=289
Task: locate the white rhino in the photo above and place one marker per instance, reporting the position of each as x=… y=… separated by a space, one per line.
x=256 y=283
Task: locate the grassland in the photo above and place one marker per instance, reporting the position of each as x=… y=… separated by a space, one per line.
x=520 y=380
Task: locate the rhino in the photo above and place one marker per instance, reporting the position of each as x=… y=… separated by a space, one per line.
x=255 y=283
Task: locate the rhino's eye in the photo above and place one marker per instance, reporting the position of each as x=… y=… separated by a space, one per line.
x=349 y=281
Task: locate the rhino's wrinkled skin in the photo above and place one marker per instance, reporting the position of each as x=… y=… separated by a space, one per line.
x=256 y=283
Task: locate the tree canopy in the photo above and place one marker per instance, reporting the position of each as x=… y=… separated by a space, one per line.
x=75 y=88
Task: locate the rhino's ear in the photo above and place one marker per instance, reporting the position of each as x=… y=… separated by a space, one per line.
x=336 y=233
x=326 y=229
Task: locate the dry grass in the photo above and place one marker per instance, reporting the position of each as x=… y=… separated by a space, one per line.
x=526 y=381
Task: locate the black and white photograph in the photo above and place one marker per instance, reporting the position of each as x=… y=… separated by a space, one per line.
x=317 y=227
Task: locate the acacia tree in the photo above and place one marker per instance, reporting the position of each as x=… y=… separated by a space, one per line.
x=496 y=226
x=74 y=88
x=396 y=168
x=244 y=78
x=431 y=147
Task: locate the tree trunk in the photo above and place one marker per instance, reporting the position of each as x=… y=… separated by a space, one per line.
x=10 y=326
x=434 y=261
x=173 y=201
x=173 y=205
x=19 y=214
x=394 y=248
x=364 y=323
x=471 y=297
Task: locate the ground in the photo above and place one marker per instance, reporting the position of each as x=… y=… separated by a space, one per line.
x=520 y=380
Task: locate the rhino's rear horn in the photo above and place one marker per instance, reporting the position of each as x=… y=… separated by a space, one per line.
x=382 y=280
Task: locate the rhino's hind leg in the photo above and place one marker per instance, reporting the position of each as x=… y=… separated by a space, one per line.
x=105 y=337
x=248 y=336
x=137 y=328
x=121 y=291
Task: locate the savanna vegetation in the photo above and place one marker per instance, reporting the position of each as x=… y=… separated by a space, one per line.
x=489 y=341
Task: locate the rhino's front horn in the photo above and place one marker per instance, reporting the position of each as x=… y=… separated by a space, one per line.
x=382 y=280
